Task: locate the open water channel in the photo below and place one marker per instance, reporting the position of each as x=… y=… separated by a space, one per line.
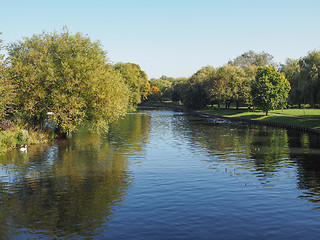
x=161 y=174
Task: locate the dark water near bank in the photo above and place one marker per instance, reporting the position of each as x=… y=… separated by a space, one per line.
x=165 y=175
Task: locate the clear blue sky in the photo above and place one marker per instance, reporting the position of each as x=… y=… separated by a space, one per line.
x=173 y=37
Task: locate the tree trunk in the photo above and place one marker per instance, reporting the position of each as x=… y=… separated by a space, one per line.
x=267 y=112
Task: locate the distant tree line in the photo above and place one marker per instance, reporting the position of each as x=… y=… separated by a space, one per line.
x=235 y=83
x=68 y=76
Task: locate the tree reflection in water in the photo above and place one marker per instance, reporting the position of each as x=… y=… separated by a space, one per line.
x=308 y=161
x=268 y=150
x=72 y=188
x=69 y=189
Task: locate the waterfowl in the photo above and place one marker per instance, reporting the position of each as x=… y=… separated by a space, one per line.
x=24 y=148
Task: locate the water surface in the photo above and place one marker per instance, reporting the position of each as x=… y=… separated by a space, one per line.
x=161 y=174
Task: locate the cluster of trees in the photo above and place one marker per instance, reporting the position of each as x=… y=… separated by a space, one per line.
x=304 y=77
x=251 y=79
x=67 y=75
x=224 y=85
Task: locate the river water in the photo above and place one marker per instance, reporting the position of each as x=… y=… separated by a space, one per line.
x=161 y=174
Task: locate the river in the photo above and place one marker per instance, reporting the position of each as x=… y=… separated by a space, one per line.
x=162 y=174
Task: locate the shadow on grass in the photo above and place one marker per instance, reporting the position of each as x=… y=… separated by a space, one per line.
x=310 y=116
x=252 y=116
x=310 y=122
x=223 y=112
x=307 y=123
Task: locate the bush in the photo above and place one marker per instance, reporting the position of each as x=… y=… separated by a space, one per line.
x=19 y=136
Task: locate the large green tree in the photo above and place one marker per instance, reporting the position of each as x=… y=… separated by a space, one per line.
x=228 y=84
x=177 y=89
x=217 y=86
x=194 y=94
x=66 y=74
x=239 y=86
x=309 y=78
x=269 y=89
x=304 y=77
x=137 y=81
x=291 y=70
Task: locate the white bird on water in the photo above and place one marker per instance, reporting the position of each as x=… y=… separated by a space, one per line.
x=24 y=148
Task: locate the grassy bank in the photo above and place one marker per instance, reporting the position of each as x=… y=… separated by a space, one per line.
x=16 y=136
x=305 y=118
x=306 y=113
x=308 y=118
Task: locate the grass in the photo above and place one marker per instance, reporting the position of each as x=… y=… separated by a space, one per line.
x=312 y=120
x=308 y=112
x=300 y=112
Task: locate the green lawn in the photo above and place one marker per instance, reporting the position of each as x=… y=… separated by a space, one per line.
x=245 y=114
x=308 y=112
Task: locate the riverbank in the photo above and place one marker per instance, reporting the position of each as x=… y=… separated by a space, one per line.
x=303 y=122
x=307 y=120
x=14 y=136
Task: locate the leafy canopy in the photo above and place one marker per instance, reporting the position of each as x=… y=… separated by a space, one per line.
x=194 y=94
x=252 y=58
x=66 y=74
x=137 y=81
x=269 y=89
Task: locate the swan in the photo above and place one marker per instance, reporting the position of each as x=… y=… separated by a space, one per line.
x=24 y=148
